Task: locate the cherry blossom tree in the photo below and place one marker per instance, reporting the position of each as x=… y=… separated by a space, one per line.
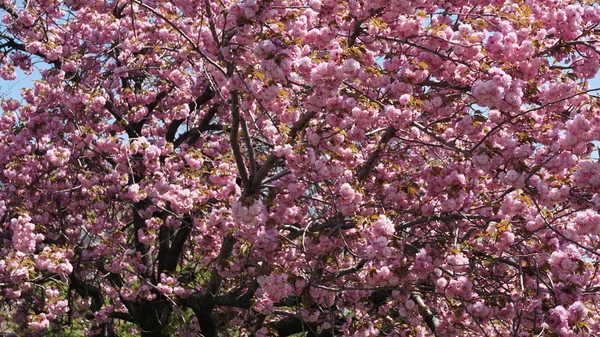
x=307 y=168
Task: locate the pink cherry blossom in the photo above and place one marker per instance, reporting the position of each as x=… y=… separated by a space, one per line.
x=278 y=168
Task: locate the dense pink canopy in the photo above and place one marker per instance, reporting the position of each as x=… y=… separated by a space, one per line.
x=308 y=168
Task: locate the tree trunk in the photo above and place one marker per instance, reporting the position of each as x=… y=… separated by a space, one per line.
x=153 y=316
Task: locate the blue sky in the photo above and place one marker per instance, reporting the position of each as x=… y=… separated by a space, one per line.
x=12 y=89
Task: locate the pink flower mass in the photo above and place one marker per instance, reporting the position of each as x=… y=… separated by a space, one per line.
x=300 y=168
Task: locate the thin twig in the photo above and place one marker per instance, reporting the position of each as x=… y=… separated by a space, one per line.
x=182 y=33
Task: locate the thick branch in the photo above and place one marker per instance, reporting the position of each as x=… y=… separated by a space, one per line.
x=332 y=225
x=293 y=325
x=351 y=270
x=264 y=170
x=250 y=147
x=122 y=316
x=137 y=127
x=269 y=163
x=86 y=290
x=203 y=304
x=138 y=223
x=206 y=96
x=177 y=244
x=276 y=176
x=301 y=123
x=215 y=279
x=233 y=299
x=430 y=319
x=444 y=85
x=235 y=144
x=190 y=137
x=164 y=246
x=358 y=28
x=11 y=43
x=366 y=169
x=131 y=133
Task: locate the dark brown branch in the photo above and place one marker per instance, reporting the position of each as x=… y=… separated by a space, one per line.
x=332 y=226
x=11 y=43
x=444 y=217
x=138 y=223
x=235 y=144
x=262 y=172
x=203 y=304
x=238 y=301
x=172 y=130
x=293 y=325
x=122 y=316
x=430 y=319
x=9 y=10
x=215 y=279
x=211 y=22
x=444 y=85
x=301 y=123
x=131 y=133
x=351 y=270
x=190 y=137
x=206 y=96
x=526 y=269
x=372 y=160
x=137 y=127
x=250 y=149
x=358 y=28
x=276 y=176
x=271 y=160
x=164 y=247
x=441 y=140
x=87 y=290
x=177 y=245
